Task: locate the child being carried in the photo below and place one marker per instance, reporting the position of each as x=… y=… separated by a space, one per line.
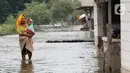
x=30 y=29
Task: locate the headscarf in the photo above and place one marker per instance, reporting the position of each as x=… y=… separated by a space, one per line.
x=19 y=28
x=19 y=19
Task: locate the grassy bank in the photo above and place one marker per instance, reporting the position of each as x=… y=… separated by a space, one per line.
x=7 y=29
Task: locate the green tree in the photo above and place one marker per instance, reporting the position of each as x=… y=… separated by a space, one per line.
x=61 y=9
x=3 y=10
x=38 y=12
x=28 y=1
x=15 y=6
x=46 y=1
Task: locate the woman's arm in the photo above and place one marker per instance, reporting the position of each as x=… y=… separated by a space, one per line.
x=30 y=32
x=26 y=34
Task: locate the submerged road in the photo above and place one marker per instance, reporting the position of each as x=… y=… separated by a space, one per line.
x=74 y=57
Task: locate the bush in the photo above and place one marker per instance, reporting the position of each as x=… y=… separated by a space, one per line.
x=9 y=26
x=10 y=20
x=6 y=29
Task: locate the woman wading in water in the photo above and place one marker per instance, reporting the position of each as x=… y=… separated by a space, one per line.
x=25 y=38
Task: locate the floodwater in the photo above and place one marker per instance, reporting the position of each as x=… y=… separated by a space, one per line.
x=78 y=57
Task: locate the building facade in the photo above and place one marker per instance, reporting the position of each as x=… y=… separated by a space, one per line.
x=125 y=37
x=106 y=18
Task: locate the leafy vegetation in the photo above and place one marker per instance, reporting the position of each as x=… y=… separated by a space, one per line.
x=41 y=11
x=8 y=7
x=6 y=29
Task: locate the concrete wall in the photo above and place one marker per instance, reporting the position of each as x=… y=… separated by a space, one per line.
x=125 y=38
x=87 y=2
x=95 y=25
x=98 y=25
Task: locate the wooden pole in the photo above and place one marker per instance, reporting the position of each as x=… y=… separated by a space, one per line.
x=109 y=31
x=104 y=33
x=104 y=19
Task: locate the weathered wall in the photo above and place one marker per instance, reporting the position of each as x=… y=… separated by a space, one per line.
x=98 y=24
x=95 y=25
x=125 y=38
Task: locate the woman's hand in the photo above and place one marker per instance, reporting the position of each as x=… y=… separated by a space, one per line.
x=30 y=32
x=26 y=34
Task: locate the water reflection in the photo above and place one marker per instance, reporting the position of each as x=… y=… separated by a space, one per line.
x=26 y=67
